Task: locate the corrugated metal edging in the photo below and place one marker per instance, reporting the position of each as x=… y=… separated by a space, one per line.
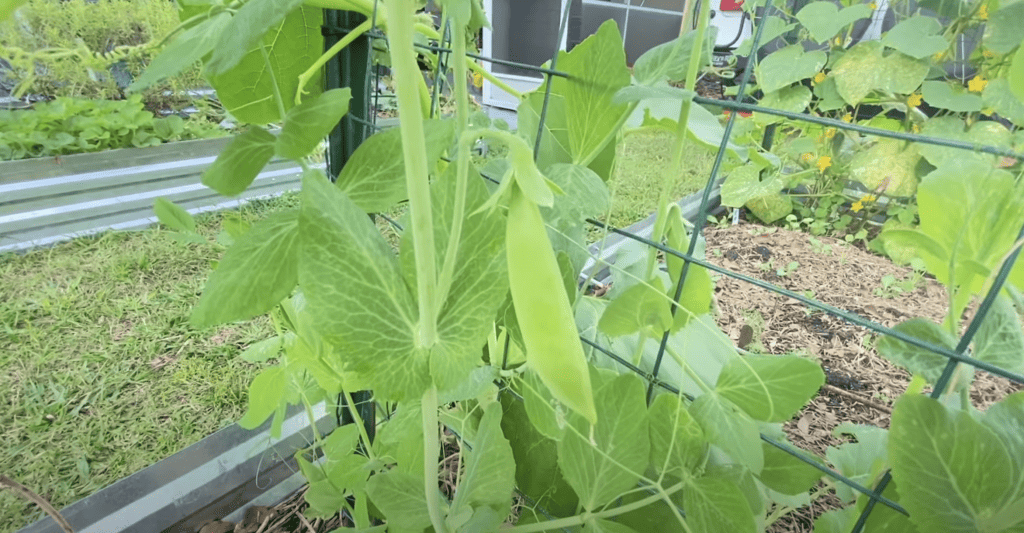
x=48 y=200
x=220 y=475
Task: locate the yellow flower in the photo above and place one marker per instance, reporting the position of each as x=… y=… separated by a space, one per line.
x=977 y=84
x=478 y=80
x=807 y=157
x=839 y=41
x=857 y=206
x=868 y=198
x=819 y=77
x=830 y=132
x=914 y=100
x=983 y=12
x=824 y=162
x=988 y=53
x=915 y=127
x=847 y=118
x=939 y=56
x=873 y=5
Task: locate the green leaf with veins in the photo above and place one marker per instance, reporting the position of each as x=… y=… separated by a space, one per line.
x=173 y=216
x=188 y=48
x=786 y=474
x=266 y=392
x=770 y=388
x=554 y=143
x=246 y=90
x=600 y=525
x=306 y=124
x=944 y=95
x=248 y=26
x=981 y=133
x=356 y=293
x=866 y=67
x=392 y=445
x=488 y=477
x=678 y=445
x=1000 y=98
x=241 y=161
x=1000 y=340
x=859 y=459
x=774 y=27
x=1003 y=30
x=400 y=496
x=255 y=274
x=787 y=66
x=670 y=61
x=729 y=428
x=793 y=98
x=715 y=503
x=643 y=306
x=824 y=20
x=599 y=473
x=918 y=37
x=916 y=359
x=889 y=160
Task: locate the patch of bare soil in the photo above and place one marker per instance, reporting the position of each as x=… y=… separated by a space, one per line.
x=861 y=386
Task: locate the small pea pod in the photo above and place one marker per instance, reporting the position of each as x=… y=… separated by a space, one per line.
x=553 y=347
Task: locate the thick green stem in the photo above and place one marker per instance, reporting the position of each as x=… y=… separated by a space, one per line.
x=333 y=51
x=431 y=451
x=406 y=72
x=491 y=78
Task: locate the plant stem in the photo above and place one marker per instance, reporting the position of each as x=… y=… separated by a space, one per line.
x=491 y=78
x=361 y=423
x=273 y=81
x=333 y=51
x=577 y=520
x=431 y=451
x=403 y=63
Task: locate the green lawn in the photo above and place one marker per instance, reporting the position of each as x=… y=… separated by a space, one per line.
x=100 y=371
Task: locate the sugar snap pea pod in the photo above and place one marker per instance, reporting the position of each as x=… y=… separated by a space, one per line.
x=553 y=347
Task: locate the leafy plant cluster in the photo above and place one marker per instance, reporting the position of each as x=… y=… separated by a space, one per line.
x=899 y=83
x=73 y=126
x=477 y=322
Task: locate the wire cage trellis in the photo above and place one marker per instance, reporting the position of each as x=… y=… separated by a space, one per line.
x=361 y=123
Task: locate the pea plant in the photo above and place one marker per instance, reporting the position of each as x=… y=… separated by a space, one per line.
x=477 y=324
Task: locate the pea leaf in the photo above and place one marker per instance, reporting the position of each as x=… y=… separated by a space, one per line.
x=265 y=393
x=1000 y=98
x=374 y=177
x=999 y=340
x=636 y=93
x=188 y=48
x=716 y=503
x=1015 y=77
x=643 y=306
x=915 y=359
x=247 y=27
x=356 y=293
x=770 y=388
x=173 y=216
x=602 y=472
x=671 y=60
x=858 y=460
x=787 y=474
x=729 y=428
x=824 y=19
x=254 y=275
x=400 y=496
x=489 y=475
x=787 y=66
x=677 y=441
x=1003 y=30
x=292 y=45
x=263 y=350
x=943 y=95
x=865 y=68
x=240 y=162
x=600 y=525
x=306 y=124
x=554 y=143
x=918 y=37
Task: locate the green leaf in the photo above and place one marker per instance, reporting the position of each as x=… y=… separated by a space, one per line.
x=915 y=359
x=1015 y=77
x=173 y=216
x=7 y=8
x=489 y=475
x=999 y=97
x=770 y=208
x=677 y=441
x=244 y=33
x=981 y=133
x=715 y=504
x=266 y=392
x=1003 y=30
x=999 y=340
x=888 y=160
x=374 y=177
x=240 y=162
x=770 y=388
x=695 y=298
x=400 y=440
x=188 y=48
x=787 y=474
x=774 y=27
x=858 y=460
x=597 y=70
x=865 y=68
x=968 y=470
x=918 y=37
x=643 y=306
x=602 y=472
x=787 y=66
x=263 y=350
x=554 y=143
x=729 y=428
x=400 y=496
x=670 y=61
x=356 y=293
x=246 y=90
x=945 y=95
x=636 y=93
x=744 y=184
x=307 y=124
x=824 y=20
x=255 y=274
x=828 y=95
x=600 y=525
x=793 y=98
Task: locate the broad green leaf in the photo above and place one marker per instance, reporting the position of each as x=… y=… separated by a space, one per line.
x=263 y=350
x=597 y=69
x=774 y=27
x=374 y=177
x=614 y=463
x=836 y=520
x=1015 y=77
x=400 y=496
x=866 y=67
x=547 y=416
x=1003 y=29
x=999 y=97
x=786 y=474
x=247 y=27
x=793 y=98
x=729 y=428
x=306 y=124
x=770 y=388
x=770 y=208
x=824 y=20
x=945 y=95
x=643 y=306
x=828 y=95
x=188 y=48
x=240 y=162
x=891 y=161
x=636 y=93
x=967 y=469
x=715 y=504
x=293 y=45
x=173 y=216
x=600 y=525
x=918 y=37
x=266 y=392
x=1000 y=340
x=981 y=133
x=7 y=8
x=916 y=359
x=586 y=196
x=858 y=460
x=357 y=295
x=479 y=382
x=401 y=440
x=254 y=275
x=489 y=468
x=677 y=441
x=670 y=61
x=744 y=184
x=948 y=9
x=695 y=298
x=554 y=143
x=787 y=66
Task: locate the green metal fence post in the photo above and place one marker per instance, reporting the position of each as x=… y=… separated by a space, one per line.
x=347 y=69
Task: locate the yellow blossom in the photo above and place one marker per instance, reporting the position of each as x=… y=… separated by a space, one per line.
x=824 y=162
x=914 y=100
x=807 y=157
x=983 y=12
x=819 y=77
x=868 y=198
x=873 y=5
x=915 y=127
x=939 y=56
x=847 y=118
x=839 y=41
x=830 y=132
x=857 y=206
x=988 y=53
x=977 y=84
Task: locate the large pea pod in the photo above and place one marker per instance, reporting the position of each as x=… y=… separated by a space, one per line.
x=553 y=347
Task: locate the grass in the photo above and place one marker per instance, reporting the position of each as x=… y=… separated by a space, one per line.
x=101 y=372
